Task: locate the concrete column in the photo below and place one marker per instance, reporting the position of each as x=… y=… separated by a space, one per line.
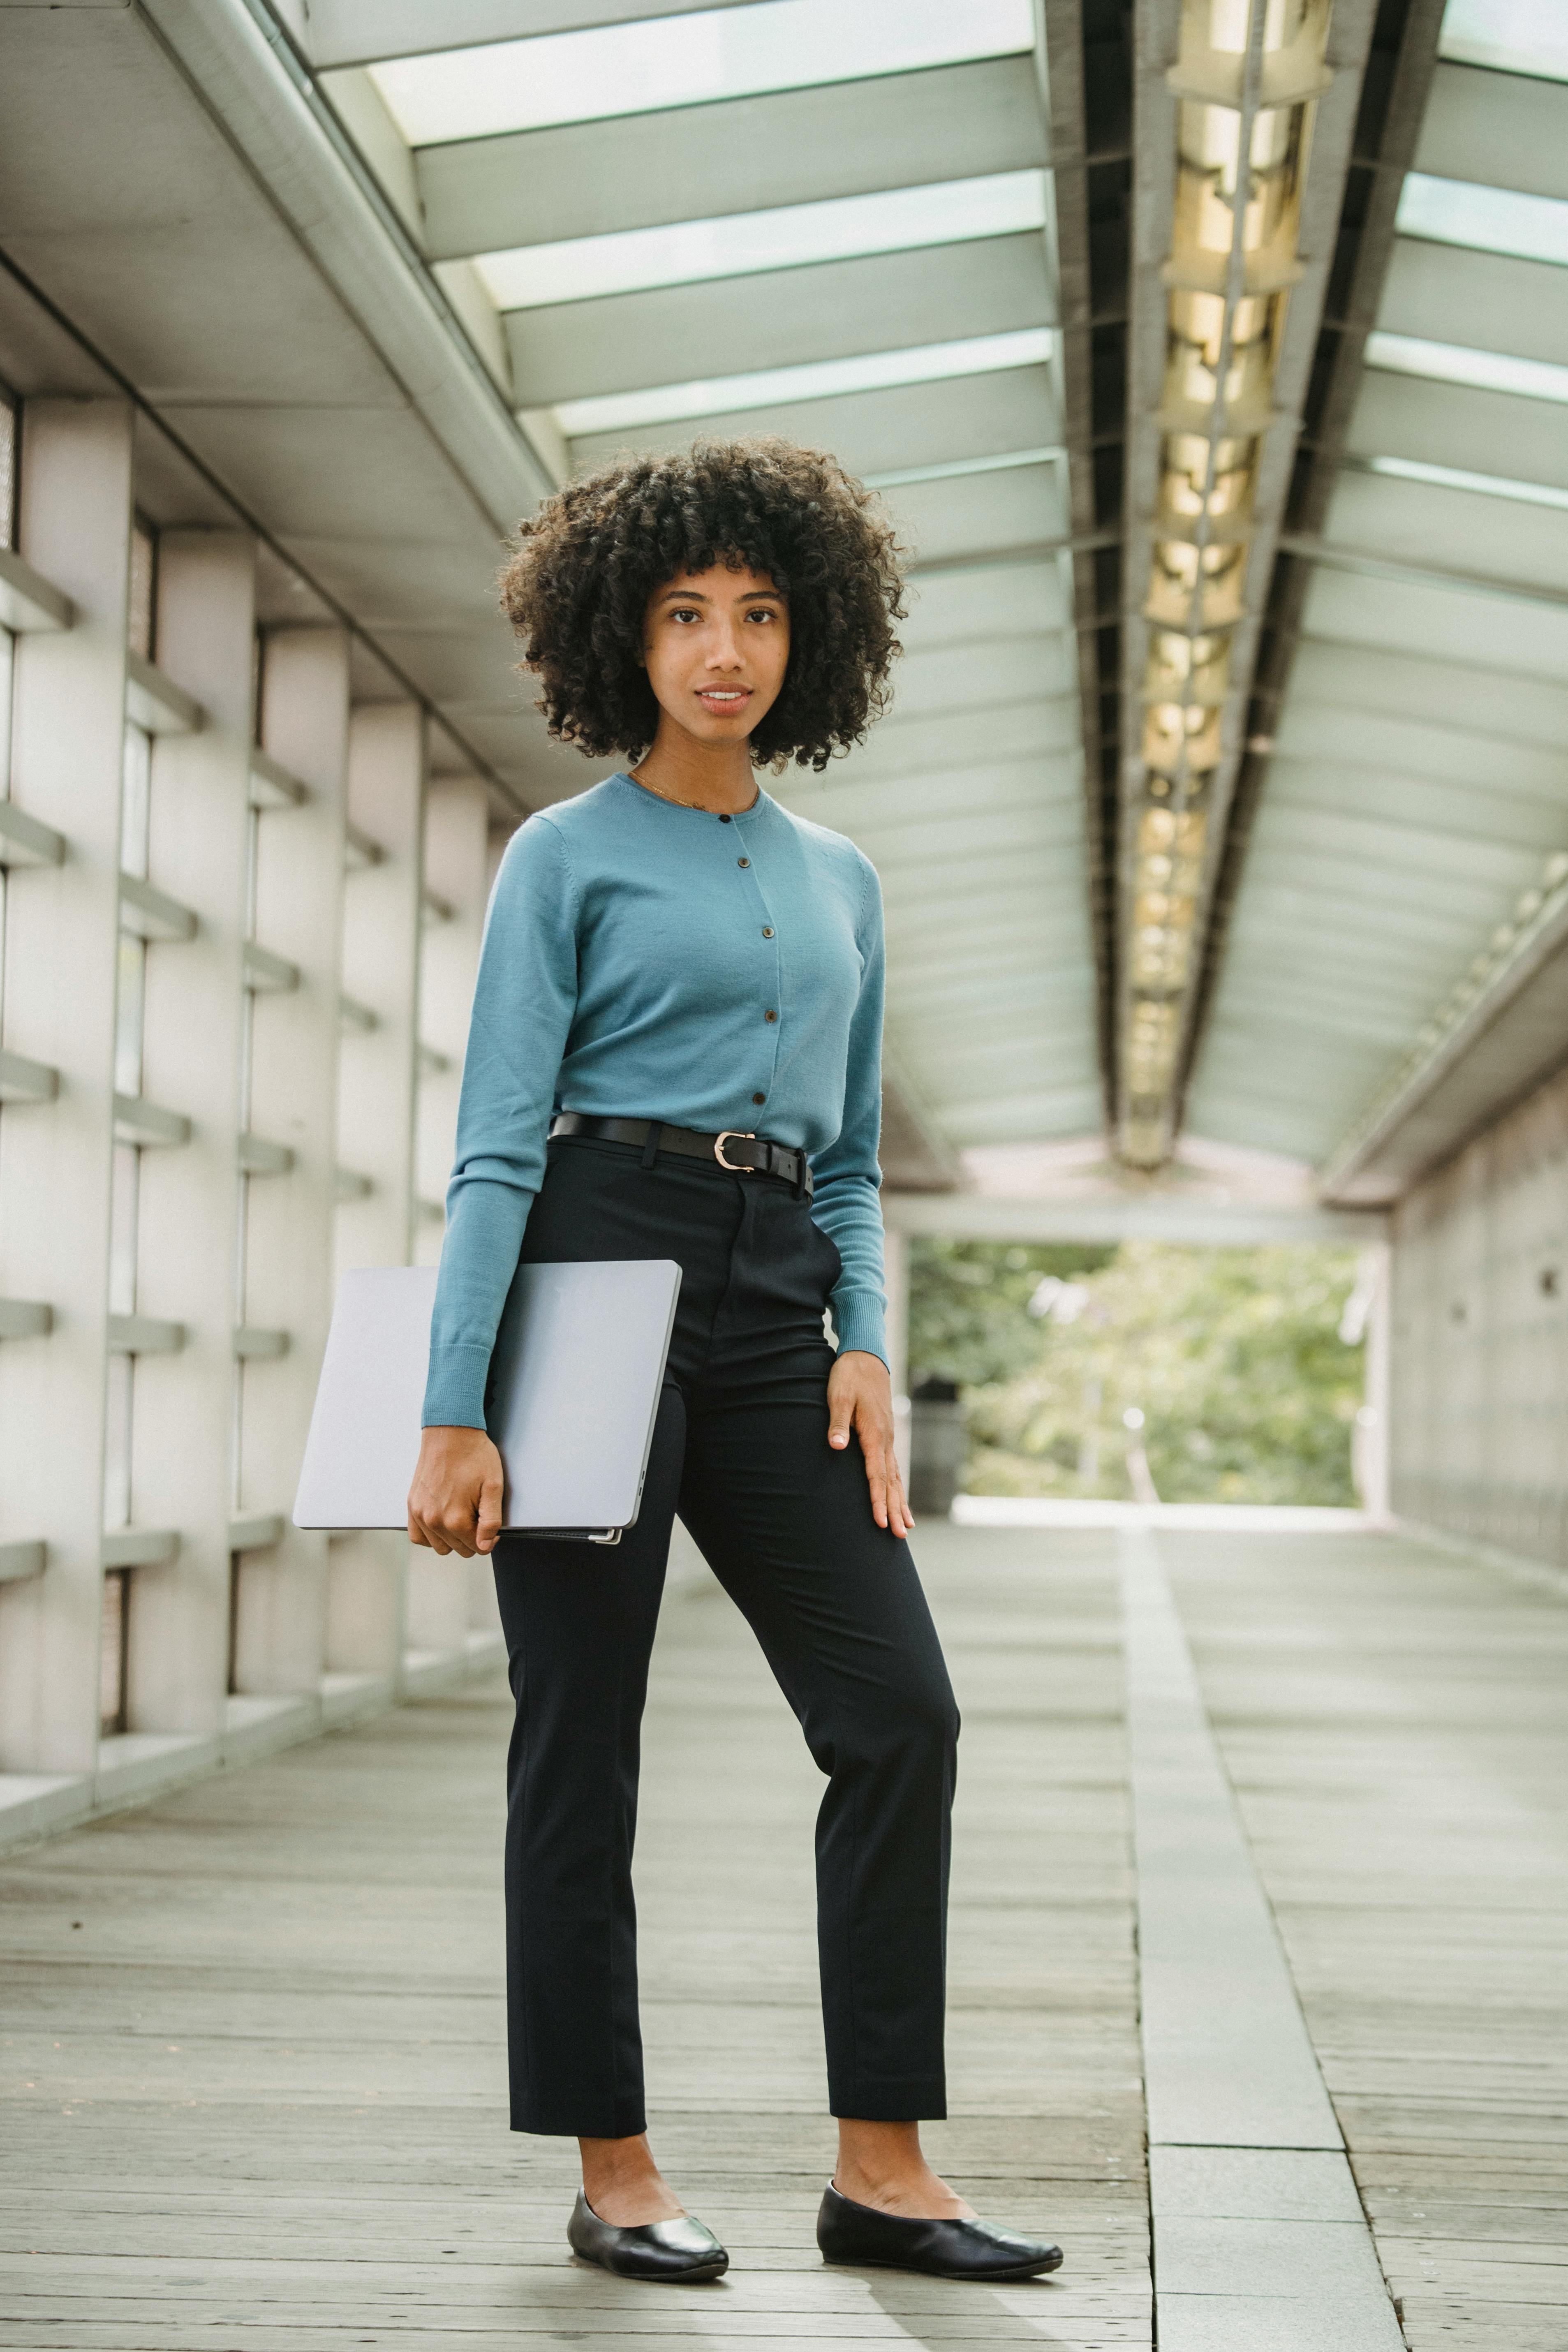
x=61 y=935
x=1370 y=1445
x=375 y=1113
x=279 y=1642
x=182 y=1473
x=445 y=1598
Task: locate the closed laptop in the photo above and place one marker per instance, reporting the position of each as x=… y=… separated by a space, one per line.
x=574 y=1386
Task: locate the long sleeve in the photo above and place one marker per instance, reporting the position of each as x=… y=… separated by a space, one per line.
x=525 y=1001
x=847 y=1177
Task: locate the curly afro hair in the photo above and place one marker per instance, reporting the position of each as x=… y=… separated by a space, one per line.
x=578 y=586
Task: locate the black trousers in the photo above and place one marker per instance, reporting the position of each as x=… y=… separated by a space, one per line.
x=741 y=1450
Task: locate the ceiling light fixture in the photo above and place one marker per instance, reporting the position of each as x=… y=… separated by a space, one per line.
x=1248 y=78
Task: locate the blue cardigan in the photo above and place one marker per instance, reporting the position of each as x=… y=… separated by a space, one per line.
x=646 y=961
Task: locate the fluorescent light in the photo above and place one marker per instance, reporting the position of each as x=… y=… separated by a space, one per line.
x=1457 y=364
x=1527 y=36
x=619 y=412
x=1454 y=477
x=613 y=69
x=789 y=237
x=958 y=466
x=1491 y=220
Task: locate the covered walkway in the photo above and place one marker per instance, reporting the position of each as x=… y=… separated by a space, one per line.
x=254 y=2032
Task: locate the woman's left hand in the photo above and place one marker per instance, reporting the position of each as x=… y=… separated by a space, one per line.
x=861 y=1397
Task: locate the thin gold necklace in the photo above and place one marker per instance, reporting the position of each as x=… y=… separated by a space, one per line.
x=676 y=802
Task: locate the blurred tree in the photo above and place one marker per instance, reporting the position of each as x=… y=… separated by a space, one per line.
x=969 y=1318
x=1232 y=1356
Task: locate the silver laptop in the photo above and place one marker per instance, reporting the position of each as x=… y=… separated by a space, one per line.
x=574 y=1387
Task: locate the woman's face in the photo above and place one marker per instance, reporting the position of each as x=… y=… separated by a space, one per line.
x=716 y=644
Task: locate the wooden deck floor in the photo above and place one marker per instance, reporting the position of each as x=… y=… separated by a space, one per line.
x=253 y=2034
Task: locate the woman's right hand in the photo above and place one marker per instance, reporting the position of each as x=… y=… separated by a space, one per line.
x=455 y=1503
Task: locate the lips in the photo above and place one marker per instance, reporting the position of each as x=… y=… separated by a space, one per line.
x=724 y=701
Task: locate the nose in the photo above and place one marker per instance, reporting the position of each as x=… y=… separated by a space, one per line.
x=724 y=650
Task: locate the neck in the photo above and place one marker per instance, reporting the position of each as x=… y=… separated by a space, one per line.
x=716 y=776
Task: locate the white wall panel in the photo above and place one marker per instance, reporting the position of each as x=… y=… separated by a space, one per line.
x=60 y=947
x=365 y=1577
x=281 y=1594
x=182 y=1474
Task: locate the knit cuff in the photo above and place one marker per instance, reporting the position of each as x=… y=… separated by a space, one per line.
x=454 y=1388
x=860 y=1321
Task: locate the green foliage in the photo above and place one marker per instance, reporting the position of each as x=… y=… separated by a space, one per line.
x=1232 y=1356
x=969 y=1318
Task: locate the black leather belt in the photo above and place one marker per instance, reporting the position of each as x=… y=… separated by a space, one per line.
x=742 y=1155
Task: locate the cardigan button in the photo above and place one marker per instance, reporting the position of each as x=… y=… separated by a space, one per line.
x=759 y=1098
x=767 y=931
x=723 y=820
x=770 y=1016
x=742 y=861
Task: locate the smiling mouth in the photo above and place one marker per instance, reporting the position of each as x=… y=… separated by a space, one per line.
x=730 y=697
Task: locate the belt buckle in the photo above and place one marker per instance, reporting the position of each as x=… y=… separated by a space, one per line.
x=740 y=1135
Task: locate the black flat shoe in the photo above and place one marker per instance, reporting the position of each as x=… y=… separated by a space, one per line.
x=860 y=2235
x=680 y=2252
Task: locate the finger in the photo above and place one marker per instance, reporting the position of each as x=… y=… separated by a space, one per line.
x=491 y=1496
x=416 y=1534
x=840 y=1417
x=899 y=1515
x=879 y=1486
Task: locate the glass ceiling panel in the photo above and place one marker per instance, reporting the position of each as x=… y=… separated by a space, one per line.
x=1455 y=363
x=621 y=412
x=1455 y=478
x=1491 y=220
x=1528 y=37
x=588 y=77
x=789 y=237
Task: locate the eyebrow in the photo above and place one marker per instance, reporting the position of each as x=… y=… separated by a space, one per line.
x=699 y=596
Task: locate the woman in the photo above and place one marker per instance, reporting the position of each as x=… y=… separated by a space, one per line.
x=667 y=958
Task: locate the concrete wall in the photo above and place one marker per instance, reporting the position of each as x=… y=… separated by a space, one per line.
x=1478 y=1385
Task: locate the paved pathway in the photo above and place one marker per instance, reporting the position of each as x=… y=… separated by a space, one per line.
x=255 y=2096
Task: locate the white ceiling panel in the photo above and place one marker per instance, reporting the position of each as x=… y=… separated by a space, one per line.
x=1504 y=710
x=1012 y=509
x=882 y=805
x=1456 y=530
x=903 y=747
x=994 y=600
x=1489 y=775
x=351 y=31
x=891 y=301
x=974 y=676
x=1460 y=426
x=1441 y=622
x=1458 y=811
x=533 y=187
x=876 y=432
x=1507 y=131
x=1447 y=293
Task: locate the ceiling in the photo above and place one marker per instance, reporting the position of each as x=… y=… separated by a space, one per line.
x=382 y=297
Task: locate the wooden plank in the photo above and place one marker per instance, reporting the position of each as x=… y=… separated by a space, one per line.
x=260 y=2090
x=1394 y=1723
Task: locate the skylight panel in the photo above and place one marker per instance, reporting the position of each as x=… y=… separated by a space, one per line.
x=1455 y=478
x=1490 y=220
x=1457 y=364
x=1527 y=36
x=629 y=261
x=957 y=469
x=621 y=412
x=615 y=69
